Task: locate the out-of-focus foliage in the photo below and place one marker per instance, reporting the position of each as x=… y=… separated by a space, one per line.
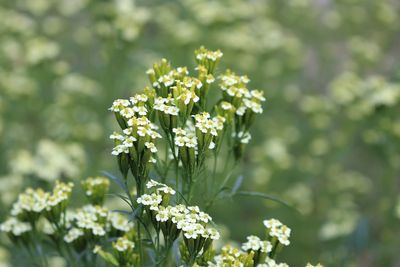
x=328 y=142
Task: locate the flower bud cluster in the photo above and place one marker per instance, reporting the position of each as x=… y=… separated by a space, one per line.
x=135 y=146
x=240 y=106
x=38 y=215
x=34 y=202
x=122 y=252
x=177 y=102
x=194 y=142
x=255 y=251
x=96 y=189
x=208 y=59
x=30 y=204
x=91 y=223
x=173 y=220
x=16 y=229
x=58 y=201
x=278 y=231
x=231 y=257
x=261 y=248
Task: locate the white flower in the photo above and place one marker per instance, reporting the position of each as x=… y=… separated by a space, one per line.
x=204 y=217
x=123 y=244
x=190 y=234
x=253 y=243
x=117 y=136
x=210 y=78
x=266 y=246
x=142 y=110
x=119 y=104
x=167 y=80
x=278 y=230
x=226 y=105
x=151 y=146
x=179 y=131
x=211 y=146
x=14 y=226
x=171 y=110
x=244 y=137
x=213 y=233
x=119 y=222
x=141 y=97
x=150 y=71
x=191 y=142
x=194 y=209
x=166 y=190
x=127 y=113
x=119 y=149
x=152 y=183
x=272 y=223
x=72 y=235
x=241 y=110
x=254 y=106
x=162 y=215
x=128 y=131
x=258 y=94
x=128 y=142
x=149 y=200
x=272 y=263
x=98 y=230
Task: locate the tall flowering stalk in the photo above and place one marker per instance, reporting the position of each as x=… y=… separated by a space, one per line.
x=191 y=123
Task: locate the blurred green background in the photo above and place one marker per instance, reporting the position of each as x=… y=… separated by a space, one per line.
x=328 y=141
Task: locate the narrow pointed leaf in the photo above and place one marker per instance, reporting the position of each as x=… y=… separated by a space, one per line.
x=118 y=181
x=265 y=196
x=238 y=184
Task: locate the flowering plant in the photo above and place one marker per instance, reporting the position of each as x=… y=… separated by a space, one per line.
x=167 y=136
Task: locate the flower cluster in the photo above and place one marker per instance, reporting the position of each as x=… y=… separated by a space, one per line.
x=173 y=220
x=208 y=59
x=278 y=231
x=38 y=215
x=256 y=252
x=92 y=223
x=34 y=202
x=58 y=201
x=16 y=229
x=231 y=256
x=265 y=250
x=193 y=142
x=240 y=106
x=30 y=204
x=96 y=189
x=177 y=103
x=135 y=146
x=122 y=252
x=260 y=248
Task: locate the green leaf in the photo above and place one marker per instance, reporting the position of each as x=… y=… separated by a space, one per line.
x=123 y=212
x=237 y=184
x=108 y=257
x=124 y=198
x=184 y=199
x=265 y=196
x=118 y=181
x=134 y=214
